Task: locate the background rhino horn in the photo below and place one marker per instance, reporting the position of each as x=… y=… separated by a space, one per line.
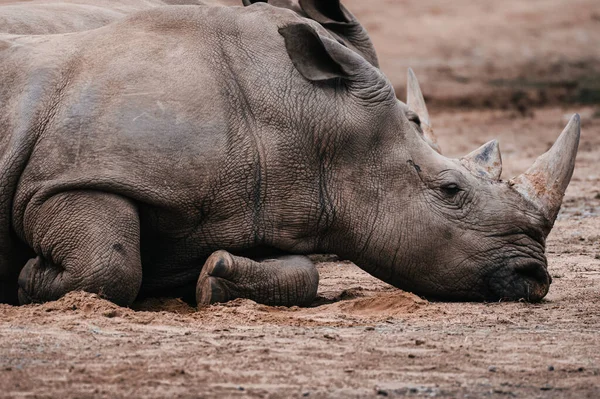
x=414 y=98
x=546 y=181
x=485 y=161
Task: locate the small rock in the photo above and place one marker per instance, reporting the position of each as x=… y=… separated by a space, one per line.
x=597 y=256
x=382 y=392
x=305 y=394
x=349 y=371
x=240 y=388
x=492 y=369
x=580 y=369
x=597 y=196
x=411 y=356
x=369 y=328
x=550 y=368
x=110 y=313
x=419 y=342
x=8 y=368
x=547 y=387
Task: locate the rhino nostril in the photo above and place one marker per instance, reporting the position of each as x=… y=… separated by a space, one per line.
x=534 y=272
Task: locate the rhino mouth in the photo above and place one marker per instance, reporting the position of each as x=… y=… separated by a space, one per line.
x=527 y=280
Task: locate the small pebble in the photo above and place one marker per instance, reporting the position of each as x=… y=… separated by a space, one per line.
x=411 y=356
x=305 y=394
x=240 y=388
x=550 y=368
x=547 y=387
x=419 y=342
x=369 y=328
x=110 y=313
x=382 y=392
x=492 y=369
x=580 y=369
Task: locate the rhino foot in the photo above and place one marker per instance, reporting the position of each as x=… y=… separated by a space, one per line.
x=284 y=281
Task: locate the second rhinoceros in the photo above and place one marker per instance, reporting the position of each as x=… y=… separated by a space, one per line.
x=207 y=149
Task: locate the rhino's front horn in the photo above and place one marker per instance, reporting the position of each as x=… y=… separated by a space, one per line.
x=485 y=161
x=544 y=184
x=416 y=102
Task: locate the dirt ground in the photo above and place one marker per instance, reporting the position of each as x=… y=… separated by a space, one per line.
x=363 y=338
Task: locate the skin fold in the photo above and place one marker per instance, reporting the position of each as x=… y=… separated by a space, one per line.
x=132 y=152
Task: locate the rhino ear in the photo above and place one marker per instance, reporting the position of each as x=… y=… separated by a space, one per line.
x=414 y=97
x=326 y=11
x=247 y=3
x=316 y=58
x=416 y=102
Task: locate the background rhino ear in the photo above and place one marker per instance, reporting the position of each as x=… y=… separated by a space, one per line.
x=316 y=58
x=326 y=11
x=247 y=3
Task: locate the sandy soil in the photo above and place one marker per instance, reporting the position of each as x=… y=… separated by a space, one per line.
x=363 y=338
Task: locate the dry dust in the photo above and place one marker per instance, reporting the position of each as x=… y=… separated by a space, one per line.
x=362 y=337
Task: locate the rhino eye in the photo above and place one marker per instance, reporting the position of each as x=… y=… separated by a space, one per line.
x=450 y=189
x=413 y=117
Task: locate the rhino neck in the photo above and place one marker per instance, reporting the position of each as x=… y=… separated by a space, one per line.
x=348 y=198
x=374 y=202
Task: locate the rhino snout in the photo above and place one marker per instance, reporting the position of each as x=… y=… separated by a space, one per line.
x=525 y=280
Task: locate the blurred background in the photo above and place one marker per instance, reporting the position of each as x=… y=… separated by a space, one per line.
x=500 y=54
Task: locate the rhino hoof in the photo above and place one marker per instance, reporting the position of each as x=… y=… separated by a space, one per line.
x=29 y=271
x=212 y=284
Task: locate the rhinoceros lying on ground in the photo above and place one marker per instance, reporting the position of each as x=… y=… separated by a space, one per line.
x=210 y=147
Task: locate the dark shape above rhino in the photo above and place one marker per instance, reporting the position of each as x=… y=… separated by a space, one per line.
x=133 y=152
x=59 y=16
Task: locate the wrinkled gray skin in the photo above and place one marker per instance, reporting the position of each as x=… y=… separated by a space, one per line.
x=131 y=153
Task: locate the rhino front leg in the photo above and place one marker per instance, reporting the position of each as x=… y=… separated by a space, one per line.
x=284 y=281
x=84 y=240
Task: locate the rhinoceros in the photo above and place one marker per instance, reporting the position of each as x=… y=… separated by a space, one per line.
x=207 y=150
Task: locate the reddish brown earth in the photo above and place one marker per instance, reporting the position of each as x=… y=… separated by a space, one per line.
x=364 y=338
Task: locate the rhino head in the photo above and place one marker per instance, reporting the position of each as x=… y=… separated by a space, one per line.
x=440 y=227
x=479 y=237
